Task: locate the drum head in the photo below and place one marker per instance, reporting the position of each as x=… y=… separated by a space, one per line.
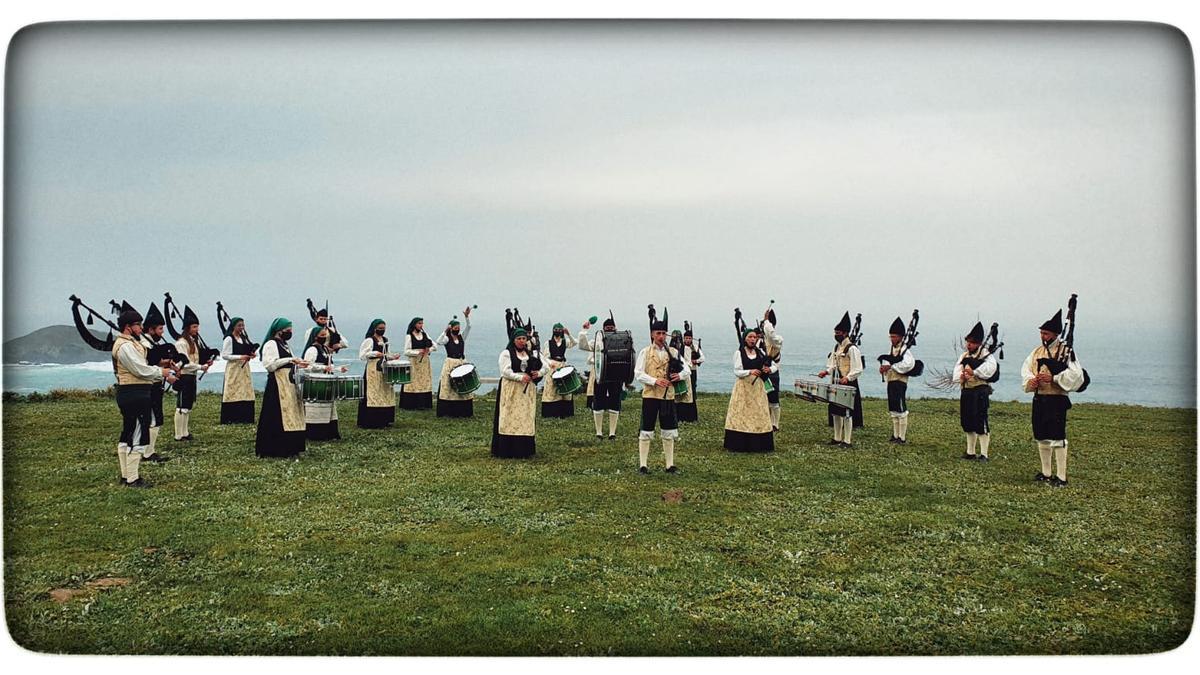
x=565 y=371
x=320 y=376
x=462 y=370
x=398 y=363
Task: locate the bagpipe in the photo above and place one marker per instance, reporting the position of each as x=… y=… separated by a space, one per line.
x=224 y=322
x=81 y=325
x=739 y=327
x=513 y=321
x=910 y=341
x=1067 y=353
x=207 y=354
x=993 y=345
x=335 y=338
x=856 y=338
x=674 y=362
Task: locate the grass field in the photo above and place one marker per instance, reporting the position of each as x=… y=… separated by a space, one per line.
x=414 y=540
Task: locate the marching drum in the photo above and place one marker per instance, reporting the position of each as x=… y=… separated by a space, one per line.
x=567 y=381
x=842 y=395
x=319 y=388
x=618 y=357
x=348 y=387
x=464 y=379
x=812 y=390
x=397 y=371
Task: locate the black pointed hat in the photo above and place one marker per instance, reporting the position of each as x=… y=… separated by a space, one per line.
x=610 y=321
x=126 y=307
x=153 y=317
x=189 y=317
x=897 y=328
x=660 y=324
x=976 y=334
x=844 y=324
x=1054 y=325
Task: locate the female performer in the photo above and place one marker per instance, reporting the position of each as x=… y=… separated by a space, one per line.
x=418 y=394
x=320 y=417
x=237 y=395
x=281 y=422
x=454 y=338
x=748 y=420
x=685 y=406
x=377 y=408
x=553 y=403
x=516 y=401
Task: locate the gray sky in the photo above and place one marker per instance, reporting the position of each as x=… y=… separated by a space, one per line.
x=402 y=169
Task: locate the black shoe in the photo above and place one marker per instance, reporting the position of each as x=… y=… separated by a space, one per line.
x=139 y=483
x=1055 y=481
x=599 y=437
x=983 y=458
x=967 y=455
x=642 y=469
x=1041 y=477
x=775 y=429
x=834 y=443
x=901 y=441
x=672 y=469
x=844 y=444
x=893 y=439
x=612 y=437
x=156 y=458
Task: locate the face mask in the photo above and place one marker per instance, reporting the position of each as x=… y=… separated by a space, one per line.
x=379 y=331
x=558 y=333
x=837 y=339
x=286 y=335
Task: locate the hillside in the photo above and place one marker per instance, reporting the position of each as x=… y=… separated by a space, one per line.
x=52 y=344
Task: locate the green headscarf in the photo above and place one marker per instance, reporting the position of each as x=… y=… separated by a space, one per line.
x=517 y=332
x=413 y=324
x=312 y=337
x=371 y=330
x=558 y=326
x=454 y=322
x=233 y=322
x=745 y=333
x=277 y=325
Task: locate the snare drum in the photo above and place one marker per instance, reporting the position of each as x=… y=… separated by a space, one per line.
x=464 y=379
x=349 y=387
x=842 y=395
x=567 y=381
x=812 y=390
x=319 y=388
x=397 y=371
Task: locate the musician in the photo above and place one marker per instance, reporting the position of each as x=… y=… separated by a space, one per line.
x=605 y=396
x=513 y=426
x=418 y=394
x=320 y=417
x=697 y=357
x=658 y=366
x=337 y=342
x=773 y=346
x=135 y=379
x=972 y=371
x=899 y=362
x=554 y=404
x=1050 y=372
x=377 y=408
x=454 y=339
x=157 y=351
x=281 y=425
x=748 y=425
x=188 y=344
x=237 y=392
x=685 y=405
x=846 y=364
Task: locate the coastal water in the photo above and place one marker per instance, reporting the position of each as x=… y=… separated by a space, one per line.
x=1121 y=370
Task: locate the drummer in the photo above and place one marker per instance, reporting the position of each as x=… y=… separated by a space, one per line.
x=281 y=422
x=602 y=396
x=553 y=403
x=320 y=417
x=846 y=364
x=377 y=407
x=454 y=338
x=513 y=427
x=418 y=394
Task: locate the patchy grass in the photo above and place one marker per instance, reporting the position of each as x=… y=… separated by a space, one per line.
x=414 y=540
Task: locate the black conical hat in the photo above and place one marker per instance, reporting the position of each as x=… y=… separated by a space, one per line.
x=126 y=307
x=189 y=317
x=1054 y=325
x=660 y=324
x=153 y=317
x=897 y=327
x=976 y=334
x=844 y=324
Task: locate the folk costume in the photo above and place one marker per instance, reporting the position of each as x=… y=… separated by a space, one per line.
x=555 y=404
x=156 y=349
x=658 y=403
x=237 y=392
x=451 y=403
x=514 y=424
x=773 y=346
x=685 y=405
x=418 y=394
x=603 y=396
x=901 y=361
x=320 y=417
x=135 y=378
x=976 y=390
x=281 y=426
x=694 y=356
x=748 y=425
x=1050 y=399
x=336 y=341
x=377 y=407
x=185 y=386
x=845 y=361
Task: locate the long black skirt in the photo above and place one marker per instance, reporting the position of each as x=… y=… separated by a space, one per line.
x=237 y=412
x=1050 y=417
x=563 y=408
x=411 y=401
x=375 y=417
x=322 y=432
x=857 y=413
x=509 y=447
x=686 y=412
x=448 y=408
x=740 y=441
x=271 y=440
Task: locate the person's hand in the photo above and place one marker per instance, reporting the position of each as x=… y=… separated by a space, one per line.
x=526 y=379
x=166 y=372
x=674 y=377
x=587 y=325
x=662 y=383
x=329 y=369
x=969 y=372
x=206 y=366
x=883 y=368
x=247 y=357
x=166 y=363
x=844 y=380
x=822 y=374
x=467 y=311
x=425 y=352
x=345 y=369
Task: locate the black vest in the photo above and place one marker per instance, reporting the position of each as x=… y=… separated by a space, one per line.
x=322 y=354
x=423 y=343
x=757 y=362
x=243 y=346
x=286 y=353
x=557 y=352
x=456 y=348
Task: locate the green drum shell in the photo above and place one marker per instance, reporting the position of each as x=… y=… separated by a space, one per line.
x=349 y=387
x=397 y=371
x=467 y=383
x=319 y=388
x=570 y=384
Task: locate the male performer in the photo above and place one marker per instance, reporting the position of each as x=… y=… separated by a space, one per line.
x=697 y=357
x=135 y=379
x=972 y=371
x=1049 y=373
x=772 y=345
x=657 y=367
x=336 y=341
x=845 y=362
x=899 y=362
x=188 y=345
x=152 y=340
x=607 y=395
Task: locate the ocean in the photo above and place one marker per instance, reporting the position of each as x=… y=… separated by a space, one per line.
x=1121 y=370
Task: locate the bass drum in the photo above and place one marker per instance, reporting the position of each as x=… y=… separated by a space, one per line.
x=618 y=357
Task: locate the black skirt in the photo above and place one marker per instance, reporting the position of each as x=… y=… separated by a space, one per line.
x=448 y=408
x=237 y=412
x=1050 y=417
x=375 y=418
x=410 y=401
x=686 y=412
x=564 y=408
x=740 y=441
x=973 y=409
x=322 y=432
x=509 y=447
x=773 y=395
x=133 y=400
x=271 y=440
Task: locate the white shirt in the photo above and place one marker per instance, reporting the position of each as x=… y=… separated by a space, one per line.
x=1069 y=379
x=639 y=368
x=856 y=363
x=505 y=365
x=693 y=350
x=227 y=350
x=983 y=372
x=367 y=350
x=135 y=363
x=182 y=346
x=906 y=363
x=271 y=359
x=408 y=348
x=738 y=370
x=464 y=331
x=771 y=336
x=340 y=345
x=587 y=346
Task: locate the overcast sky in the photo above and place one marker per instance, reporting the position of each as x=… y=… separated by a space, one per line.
x=402 y=169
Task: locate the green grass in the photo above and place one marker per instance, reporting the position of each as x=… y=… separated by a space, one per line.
x=413 y=540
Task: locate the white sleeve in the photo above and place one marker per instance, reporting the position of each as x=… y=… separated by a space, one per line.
x=181 y=346
x=310 y=355
x=569 y=338
x=227 y=349
x=270 y=357
x=987 y=368
x=1027 y=372
x=466 y=327
x=831 y=361
x=856 y=363
x=131 y=359
x=639 y=369
x=773 y=367
x=1071 y=378
x=737 y=365
x=958 y=369
x=442 y=338
x=774 y=338
x=584 y=344
x=408 y=350
x=905 y=364
x=367 y=350
x=505 y=366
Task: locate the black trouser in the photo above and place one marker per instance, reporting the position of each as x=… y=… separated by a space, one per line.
x=186 y=388
x=661 y=411
x=156 y=405
x=973 y=409
x=1050 y=417
x=133 y=400
x=896 y=392
x=607 y=396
